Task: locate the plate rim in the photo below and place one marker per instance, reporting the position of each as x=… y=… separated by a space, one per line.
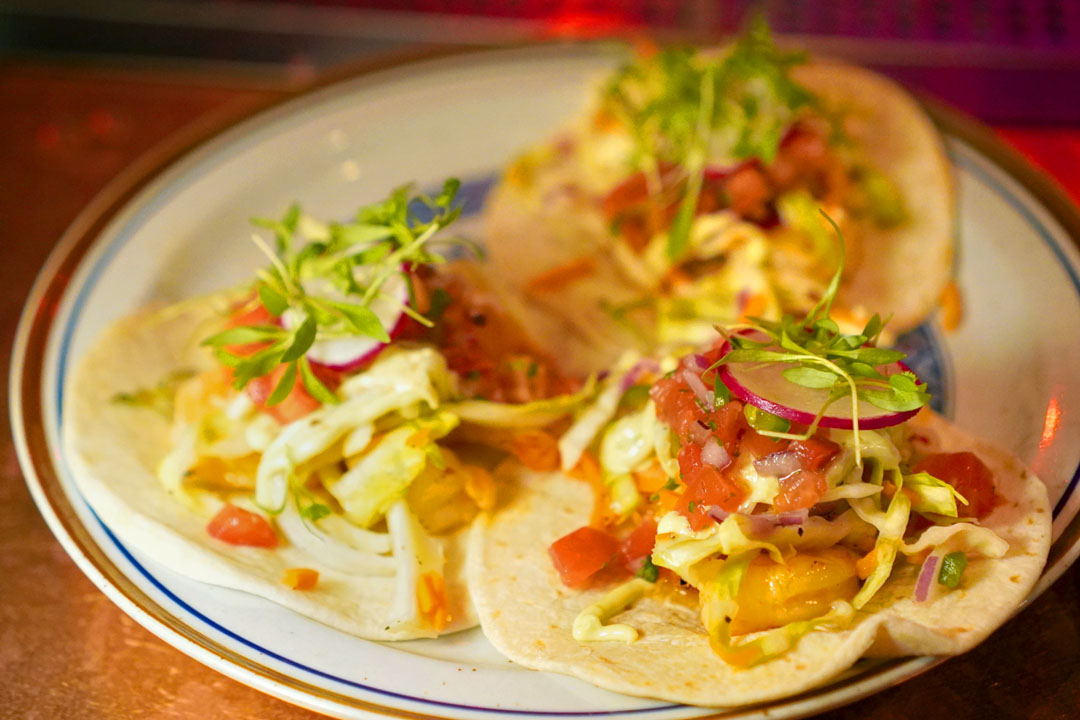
x=34 y=453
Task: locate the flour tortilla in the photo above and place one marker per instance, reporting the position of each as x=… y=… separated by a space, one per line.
x=527 y=613
x=113 y=450
x=902 y=270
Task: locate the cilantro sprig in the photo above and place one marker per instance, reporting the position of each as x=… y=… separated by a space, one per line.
x=323 y=278
x=824 y=358
x=682 y=109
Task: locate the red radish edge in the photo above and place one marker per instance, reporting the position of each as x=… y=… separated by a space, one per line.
x=366 y=348
x=376 y=348
x=874 y=422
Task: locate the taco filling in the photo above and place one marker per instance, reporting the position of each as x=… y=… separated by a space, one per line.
x=699 y=176
x=324 y=414
x=789 y=487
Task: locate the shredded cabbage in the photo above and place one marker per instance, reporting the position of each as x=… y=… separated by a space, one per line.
x=416 y=554
x=398 y=381
x=930 y=495
x=680 y=548
x=524 y=415
x=382 y=476
x=591 y=421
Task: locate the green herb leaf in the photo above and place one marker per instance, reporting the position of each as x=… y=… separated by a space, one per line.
x=284 y=386
x=302 y=341
x=244 y=335
x=355 y=259
x=761 y=420
x=810 y=377
x=721 y=393
x=272 y=300
x=314 y=385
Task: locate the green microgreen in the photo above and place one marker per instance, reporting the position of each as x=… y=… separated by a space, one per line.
x=684 y=109
x=821 y=357
x=326 y=277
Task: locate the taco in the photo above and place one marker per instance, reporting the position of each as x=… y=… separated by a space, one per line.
x=753 y=520
x=307 y=437
x=686 y=195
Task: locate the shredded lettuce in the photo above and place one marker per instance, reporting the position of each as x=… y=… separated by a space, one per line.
x=631 y=440
x=382 y=476
x=398 y=381
x=680 y=548
x=593 y=418
x=930 y=495
x=524 y=415
x=891 y=526
x=416 y=554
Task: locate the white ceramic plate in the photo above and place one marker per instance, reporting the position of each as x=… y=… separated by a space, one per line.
x=181 y=228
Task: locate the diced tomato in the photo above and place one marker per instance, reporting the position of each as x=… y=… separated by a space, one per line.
x=760 y=445
x=298 y=402
x=815 y=452
x=237 y=526
x=705 y=486
x=675 y=403
x=248 y=313
x=536 y=449
x=729 y=425
x=300 y=578
x=632 y=191
x=638 y=543
x=581 y=554
x=800 y=490
x=969 y=475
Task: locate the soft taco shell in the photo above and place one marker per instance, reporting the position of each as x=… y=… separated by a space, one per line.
x=113 y=450
x=901 y=271
x=527 y=613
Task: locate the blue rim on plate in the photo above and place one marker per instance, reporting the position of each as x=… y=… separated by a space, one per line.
x=41 y=466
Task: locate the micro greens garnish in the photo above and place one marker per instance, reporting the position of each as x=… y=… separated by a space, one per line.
x=682 y=109
x=353 y=261
x=824 y=358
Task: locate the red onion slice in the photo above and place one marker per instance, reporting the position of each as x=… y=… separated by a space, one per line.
x=764 y=386
x=778 y=464
x=793 y=517
x=699 y=432
x=713 y=453
x=926 y=578
x=702 y=393
x=641 y=367
x=718 y=513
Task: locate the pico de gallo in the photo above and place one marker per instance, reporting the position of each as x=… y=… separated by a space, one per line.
x=777 y=475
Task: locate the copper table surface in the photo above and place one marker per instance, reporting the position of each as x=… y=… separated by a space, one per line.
x=67 y=652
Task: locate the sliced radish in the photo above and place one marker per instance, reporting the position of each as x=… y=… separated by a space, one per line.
x=764 y=386
x=349 y=352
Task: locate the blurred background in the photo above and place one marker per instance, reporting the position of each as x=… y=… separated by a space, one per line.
x=1012 y=63
x=1006 y=61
